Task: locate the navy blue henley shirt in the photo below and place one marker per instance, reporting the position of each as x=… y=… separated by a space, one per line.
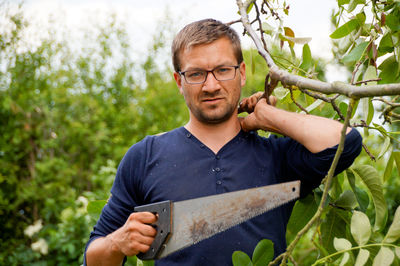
x=177 y=166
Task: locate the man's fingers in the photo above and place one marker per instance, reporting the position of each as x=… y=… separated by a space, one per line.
x=147 y=230
x=143 y=248
x=143 y=217
x=146 y=240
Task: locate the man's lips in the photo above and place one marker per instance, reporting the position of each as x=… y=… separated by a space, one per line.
x=215 y=99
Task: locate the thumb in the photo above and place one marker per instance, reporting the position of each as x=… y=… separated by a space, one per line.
x=273 y=100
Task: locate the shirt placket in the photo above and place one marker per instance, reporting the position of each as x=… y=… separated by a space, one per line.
x=217 y=170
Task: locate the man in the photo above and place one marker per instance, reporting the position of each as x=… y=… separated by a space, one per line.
x=215 y=152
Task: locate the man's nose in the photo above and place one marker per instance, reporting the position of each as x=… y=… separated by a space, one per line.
x=211 y=83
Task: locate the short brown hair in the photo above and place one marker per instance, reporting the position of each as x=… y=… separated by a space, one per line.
x=203 y=32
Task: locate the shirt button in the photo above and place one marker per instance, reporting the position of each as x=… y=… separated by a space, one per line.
x=217 y=169
x=217 y=157
x=219 y=182
x=188 y=135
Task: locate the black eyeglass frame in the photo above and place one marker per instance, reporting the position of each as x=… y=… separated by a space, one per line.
x=208 y=71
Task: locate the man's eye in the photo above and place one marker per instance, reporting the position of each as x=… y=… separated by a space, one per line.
x=195 y=74
x=223 y=70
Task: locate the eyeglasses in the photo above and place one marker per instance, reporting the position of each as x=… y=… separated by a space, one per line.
x=221 y=73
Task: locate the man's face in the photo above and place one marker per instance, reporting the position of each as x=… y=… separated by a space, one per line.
x=212 y=101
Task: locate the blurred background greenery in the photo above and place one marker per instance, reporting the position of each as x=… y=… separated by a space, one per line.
x=67 y=117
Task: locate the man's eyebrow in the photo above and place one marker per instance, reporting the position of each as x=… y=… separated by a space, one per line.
x=193 y=68
x=198 y=68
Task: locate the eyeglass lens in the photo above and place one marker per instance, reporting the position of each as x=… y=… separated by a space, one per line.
x=221 y=73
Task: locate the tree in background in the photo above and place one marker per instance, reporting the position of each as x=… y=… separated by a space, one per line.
x=67 y=117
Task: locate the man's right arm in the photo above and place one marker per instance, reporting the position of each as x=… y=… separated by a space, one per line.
x=135 y=236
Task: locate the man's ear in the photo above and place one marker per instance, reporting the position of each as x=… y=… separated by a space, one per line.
x=242 y=69
x=178 y=80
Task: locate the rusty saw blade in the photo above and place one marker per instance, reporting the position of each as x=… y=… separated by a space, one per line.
x=184 y=223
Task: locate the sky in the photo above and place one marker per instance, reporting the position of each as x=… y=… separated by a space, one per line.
x=308 y=18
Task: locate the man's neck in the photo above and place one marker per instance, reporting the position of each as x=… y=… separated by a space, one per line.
x=214 y=136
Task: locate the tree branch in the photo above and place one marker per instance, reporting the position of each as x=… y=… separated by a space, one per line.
x=287 y=78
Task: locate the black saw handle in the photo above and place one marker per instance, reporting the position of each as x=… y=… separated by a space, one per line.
x=163 y=227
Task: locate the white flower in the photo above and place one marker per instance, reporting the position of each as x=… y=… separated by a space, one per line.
x=40 y=246
x=33 y=229
x=82 y=200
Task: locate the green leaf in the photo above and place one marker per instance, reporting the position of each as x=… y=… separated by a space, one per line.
x=148 y=262
x=302 y=212
x=345 y=43
x=263 y=253
x=345 y=259
x=362 y=257
x=394 y=230
x=393 y=22
x=345 y=29
x=386 y=44
x=368 y=109
x=355 y=54
x=385 y=147
x=306 y=58
x=370 y=73
x=280 y=92
x=371 y=111
x=384 y=257
x=362 y=199
x=341 y=244
x=353 y=4
x=249 y=8
x=343 y=109
x=132 y=260
x=381 y=129
x=346 y=200
x=314 y=105
x=343 y=2
x=360 y=228
x=336 y=187
x=355 y=108
x=268 y=29
x=389 y=70
x=372 y=180
x=397 y=251
x=239 y=258
x=389 y=168
x=396 y=156
x=361 y=18
x=334 y=225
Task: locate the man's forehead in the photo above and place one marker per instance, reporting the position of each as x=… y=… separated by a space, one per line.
x=219 y=52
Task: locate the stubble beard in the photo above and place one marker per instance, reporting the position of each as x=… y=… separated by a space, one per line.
x=214 y=114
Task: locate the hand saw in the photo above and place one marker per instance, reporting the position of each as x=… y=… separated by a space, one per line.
x=184 y=223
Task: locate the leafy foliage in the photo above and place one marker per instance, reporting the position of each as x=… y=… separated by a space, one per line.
x=262 y=255
x=66 y=119
x=365 y=42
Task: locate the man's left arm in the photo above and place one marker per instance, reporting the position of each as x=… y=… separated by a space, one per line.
x=313 y=132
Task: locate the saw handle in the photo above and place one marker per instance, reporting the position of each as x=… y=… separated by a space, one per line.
x=163 y=227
